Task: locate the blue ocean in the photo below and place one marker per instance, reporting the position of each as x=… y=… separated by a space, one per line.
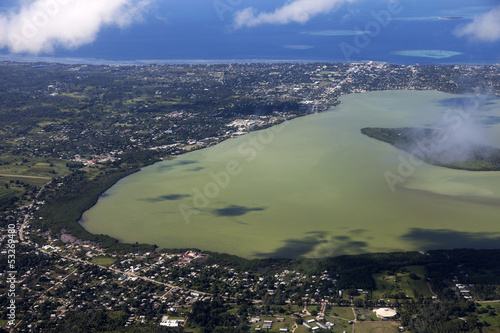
x=404 y=32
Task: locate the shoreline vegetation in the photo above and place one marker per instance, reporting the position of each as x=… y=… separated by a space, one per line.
x=66 y=204
x=433 y=147
x=317 y=88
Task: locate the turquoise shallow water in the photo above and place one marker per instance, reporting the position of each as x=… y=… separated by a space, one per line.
x=314 y=186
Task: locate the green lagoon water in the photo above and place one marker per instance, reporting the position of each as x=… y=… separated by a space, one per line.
x=314 y=186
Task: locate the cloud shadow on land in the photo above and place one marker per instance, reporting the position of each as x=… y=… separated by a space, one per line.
x=168 y=197
x=235 y=210
x=439 y=239
x=295 y=248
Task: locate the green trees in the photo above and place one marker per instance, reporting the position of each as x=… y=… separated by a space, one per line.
x=451 y=316
x=213 y=316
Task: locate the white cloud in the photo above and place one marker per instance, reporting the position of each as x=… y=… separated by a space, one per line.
x=485 y=28
x=41 y=25
x=299 y=11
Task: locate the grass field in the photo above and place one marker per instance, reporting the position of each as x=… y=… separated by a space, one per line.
x=376 y=327
x=288 y=323
x=103 y=261
x=32 y=166
x=11 y=191
x=493 y=320
x=342 y=312
x=19 y=174
x=340 y=324
x=388 y=285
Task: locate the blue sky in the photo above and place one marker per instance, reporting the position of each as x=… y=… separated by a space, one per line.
x=188 y=28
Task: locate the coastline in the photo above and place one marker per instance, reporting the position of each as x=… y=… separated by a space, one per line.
x=194 y=243
x=148 y=62
x=184 y=154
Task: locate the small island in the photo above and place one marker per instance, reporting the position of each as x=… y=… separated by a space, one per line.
x=436 y=146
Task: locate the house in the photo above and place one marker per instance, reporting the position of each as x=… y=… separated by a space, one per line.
x=321 y=325
x=170 y=323
x=166 y=322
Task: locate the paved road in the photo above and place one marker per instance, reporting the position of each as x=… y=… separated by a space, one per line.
x=136 y=276
x=23 y=176
x=45 y=293
x=430 y=289
x=27 y=217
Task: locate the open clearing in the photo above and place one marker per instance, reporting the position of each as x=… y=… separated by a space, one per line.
x=376 y=327
x=103 y=261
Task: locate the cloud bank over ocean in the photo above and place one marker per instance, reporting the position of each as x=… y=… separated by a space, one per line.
x=484 y=28
x=42 y=25
x=299 y=11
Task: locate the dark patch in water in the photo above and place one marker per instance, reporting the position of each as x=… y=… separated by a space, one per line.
x=358 y=231
x=466 y=103
x=196 y=169
x=295 y=248
x=243 y=223
x=489 y=120
x=167 y=197
x=176 y=163
x=429 y=239
x=235 y=210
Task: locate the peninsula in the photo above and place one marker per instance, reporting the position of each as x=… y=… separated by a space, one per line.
x=433 y=146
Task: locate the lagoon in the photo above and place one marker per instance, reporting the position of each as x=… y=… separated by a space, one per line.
x=313 y=187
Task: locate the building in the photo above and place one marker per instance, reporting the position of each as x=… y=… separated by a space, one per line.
x=385 y=313
x=267 y=324
x=321 y=325
x=166 y=322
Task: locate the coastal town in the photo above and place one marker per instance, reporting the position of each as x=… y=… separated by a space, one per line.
x=178 y=108
x=57 y=284
x=85 y=127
